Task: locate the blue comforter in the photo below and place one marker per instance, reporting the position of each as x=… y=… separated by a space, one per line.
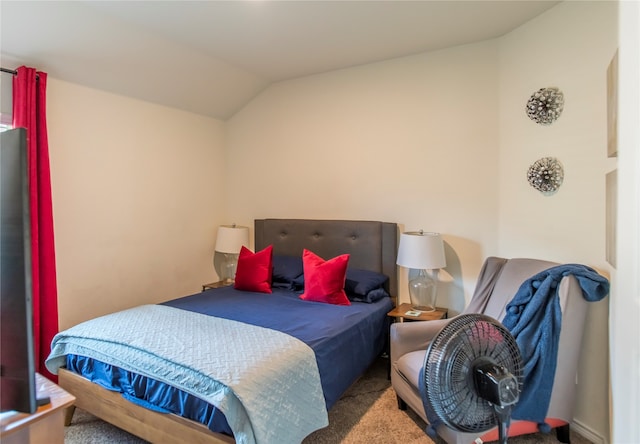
x=344 y=339
x=199 y=355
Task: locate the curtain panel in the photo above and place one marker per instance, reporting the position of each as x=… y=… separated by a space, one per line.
x=29 y=111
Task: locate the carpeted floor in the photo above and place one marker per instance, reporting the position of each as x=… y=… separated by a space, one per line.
x=367 y=413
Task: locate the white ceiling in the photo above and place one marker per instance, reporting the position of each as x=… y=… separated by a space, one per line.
x=212 y=57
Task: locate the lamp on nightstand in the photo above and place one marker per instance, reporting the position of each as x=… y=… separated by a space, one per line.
x=229 y=241
x=422 y=251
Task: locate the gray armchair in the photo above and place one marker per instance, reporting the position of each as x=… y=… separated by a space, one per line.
x=498 y=282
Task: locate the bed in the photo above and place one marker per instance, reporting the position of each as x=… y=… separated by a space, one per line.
x=279 y=331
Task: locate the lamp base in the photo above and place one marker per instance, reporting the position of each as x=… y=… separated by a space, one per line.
x=228 y=268
x=422 y=290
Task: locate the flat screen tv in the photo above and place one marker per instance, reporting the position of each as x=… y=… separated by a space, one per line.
x=17 y=367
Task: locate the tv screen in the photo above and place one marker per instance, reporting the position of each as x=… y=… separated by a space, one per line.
x=17 y=367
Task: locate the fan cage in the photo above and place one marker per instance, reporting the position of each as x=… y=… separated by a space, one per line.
x=464 y=343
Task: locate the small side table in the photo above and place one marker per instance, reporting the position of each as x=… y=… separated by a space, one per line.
x=400 y=311
x=215 y=285
x=46 y=424
x=399 y=315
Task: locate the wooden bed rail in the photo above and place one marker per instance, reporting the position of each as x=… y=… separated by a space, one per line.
x=152 y=426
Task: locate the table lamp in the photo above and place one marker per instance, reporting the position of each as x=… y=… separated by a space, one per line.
x=422 y=251
x=229 y=241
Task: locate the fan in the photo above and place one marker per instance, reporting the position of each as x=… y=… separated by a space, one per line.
x=472 y=375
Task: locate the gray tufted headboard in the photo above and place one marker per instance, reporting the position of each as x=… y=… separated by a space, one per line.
x=371 y=245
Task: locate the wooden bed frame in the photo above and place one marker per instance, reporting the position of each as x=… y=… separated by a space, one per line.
x=372 y=246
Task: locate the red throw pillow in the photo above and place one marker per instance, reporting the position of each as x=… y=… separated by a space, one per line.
x=324 y=280
x=254 y=270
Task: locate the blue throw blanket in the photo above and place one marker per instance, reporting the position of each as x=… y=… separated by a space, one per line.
x=199 y=355
x=534 y=318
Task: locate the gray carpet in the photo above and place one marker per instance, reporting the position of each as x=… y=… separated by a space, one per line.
x=367 y=413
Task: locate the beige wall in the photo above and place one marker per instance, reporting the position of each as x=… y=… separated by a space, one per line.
x=412 y=140
x=570 y=225
x=137 y=192
x=441 y=141
x=428 y=141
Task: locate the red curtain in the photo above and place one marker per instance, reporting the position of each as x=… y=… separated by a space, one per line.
x=29 y=111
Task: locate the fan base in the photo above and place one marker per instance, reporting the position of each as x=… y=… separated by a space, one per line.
x=518 y=428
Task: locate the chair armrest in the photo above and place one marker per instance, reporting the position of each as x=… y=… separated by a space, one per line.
x=406 y=337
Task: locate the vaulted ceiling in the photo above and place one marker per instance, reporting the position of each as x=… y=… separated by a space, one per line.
x=212 y=57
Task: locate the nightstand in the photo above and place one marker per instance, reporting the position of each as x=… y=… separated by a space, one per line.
x=46 y=424
x=399 y=313
x=215 y=285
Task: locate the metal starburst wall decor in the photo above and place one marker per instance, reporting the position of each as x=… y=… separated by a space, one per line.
x=545 y=105
x=546 y=175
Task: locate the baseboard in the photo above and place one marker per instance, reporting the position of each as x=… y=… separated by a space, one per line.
x=588 y=433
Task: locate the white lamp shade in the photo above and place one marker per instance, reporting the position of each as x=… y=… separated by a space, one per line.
x=231 y=238
x=421 y=251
